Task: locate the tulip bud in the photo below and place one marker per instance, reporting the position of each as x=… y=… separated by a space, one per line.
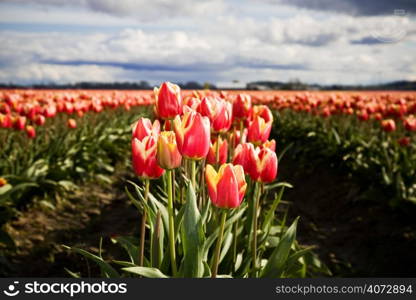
x=40 y=120
x=168 y=100
x=212 y=153
x=227 y=187
x=192 y=135
x=259 y=131
x=72 y=123
x=3 y=181
x=144 y=127
x=144 y=158
x=168 y=155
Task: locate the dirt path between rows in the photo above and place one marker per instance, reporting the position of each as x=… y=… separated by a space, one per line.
x=357 y=234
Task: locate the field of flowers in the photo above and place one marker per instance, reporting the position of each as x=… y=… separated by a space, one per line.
x=199 y=169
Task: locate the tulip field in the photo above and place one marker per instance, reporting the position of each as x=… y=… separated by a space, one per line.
x=215 y=184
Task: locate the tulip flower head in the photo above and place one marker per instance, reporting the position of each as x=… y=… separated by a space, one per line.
x=227 y=187
x=242 y=107
x=192 y=135
x=388 y=125
x=218 y=111
x=259 y=131
x=168 y=155
x=410 y=123
x=72 y=123
x=263 y=166
x=144 y=127
x=144 y=160
x=223 y=149
x=168 y=100
x=244 y=155
x=30 y=131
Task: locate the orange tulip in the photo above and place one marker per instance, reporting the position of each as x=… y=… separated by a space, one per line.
x=168 y=155
x=168 y=100
x=192 y=135
x=227 y=187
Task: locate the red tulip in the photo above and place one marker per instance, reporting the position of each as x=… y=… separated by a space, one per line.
x=262 y=111
x=218 y=111
x=223 y=149
x=168 y=100
x=72 y=123
x=259 y=131
x=404 y=141
x=192 y=135
x=144 y=158
x=227 y=187
x=388 y=125
x=5 y=121
x=40 y=120
x=144 y=127
x=244 y=155
x=30 y=131
x=242 y=107
x=410 y=123
x=264 y=166
x=19 y=123
x=168 y=155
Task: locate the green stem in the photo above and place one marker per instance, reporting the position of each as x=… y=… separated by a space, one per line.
x=171 y=223
x=217 y=153
x=143 y=224
x=193 y=173
x=254 y=230
x=218 y=246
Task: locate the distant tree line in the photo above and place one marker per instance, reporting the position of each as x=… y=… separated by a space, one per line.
x=194 y=85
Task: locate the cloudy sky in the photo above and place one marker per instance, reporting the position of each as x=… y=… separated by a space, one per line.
x=220 y=41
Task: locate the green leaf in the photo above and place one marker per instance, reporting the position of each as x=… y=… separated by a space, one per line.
x=268 y=221
x=104 y=266
x=146 y=272
x=128 y=244
x=193 y=237
x=276 y=263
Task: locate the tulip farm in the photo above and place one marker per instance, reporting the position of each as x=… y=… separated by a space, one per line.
x=215 y=184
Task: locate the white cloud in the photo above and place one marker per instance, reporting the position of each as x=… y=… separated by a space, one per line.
x=209 y=45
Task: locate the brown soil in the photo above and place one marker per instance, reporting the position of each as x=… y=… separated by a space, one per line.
x=356 y=232
x=81 y=221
